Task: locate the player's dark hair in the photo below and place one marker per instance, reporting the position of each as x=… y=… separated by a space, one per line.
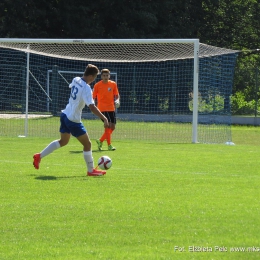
x=105 y=71
x=91 y=70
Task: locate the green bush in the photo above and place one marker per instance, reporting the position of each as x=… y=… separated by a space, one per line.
x=240 y=106
x=211 y=104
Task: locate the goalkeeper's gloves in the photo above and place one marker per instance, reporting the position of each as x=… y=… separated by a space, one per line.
x=117 y=103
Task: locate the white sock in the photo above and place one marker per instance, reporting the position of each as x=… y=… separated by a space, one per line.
x=89 y=160
x=50 y=148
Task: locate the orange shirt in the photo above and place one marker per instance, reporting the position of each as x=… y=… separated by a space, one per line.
x=105 y=93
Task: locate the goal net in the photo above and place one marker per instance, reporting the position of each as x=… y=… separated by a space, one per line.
x=174 y=91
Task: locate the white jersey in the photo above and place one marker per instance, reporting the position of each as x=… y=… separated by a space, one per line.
x=81 y=95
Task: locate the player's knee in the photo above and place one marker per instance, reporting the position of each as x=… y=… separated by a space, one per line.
x=63 y=142
x=87 y=145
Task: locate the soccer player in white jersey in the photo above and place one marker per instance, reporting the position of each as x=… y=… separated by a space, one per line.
x=70 y=120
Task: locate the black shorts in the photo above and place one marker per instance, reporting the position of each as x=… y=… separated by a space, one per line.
x=110 y=115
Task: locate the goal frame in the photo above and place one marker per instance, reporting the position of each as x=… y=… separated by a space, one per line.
x=195 y=43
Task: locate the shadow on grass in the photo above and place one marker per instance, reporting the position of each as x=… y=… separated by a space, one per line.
x=53 y=178
x=93 y=151
x=46 y=178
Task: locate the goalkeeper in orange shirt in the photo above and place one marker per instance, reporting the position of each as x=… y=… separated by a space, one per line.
x=106 y=95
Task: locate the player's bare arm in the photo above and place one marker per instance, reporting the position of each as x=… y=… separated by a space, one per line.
x=97 y=112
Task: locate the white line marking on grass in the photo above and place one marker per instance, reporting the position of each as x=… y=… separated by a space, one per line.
x=18 y=162
x=80 y=166
x=54 y=164
x=48 y=165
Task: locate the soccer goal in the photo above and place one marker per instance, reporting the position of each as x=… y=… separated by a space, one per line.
x=172 y=90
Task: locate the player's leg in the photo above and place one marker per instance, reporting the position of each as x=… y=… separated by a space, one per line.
x=78 y=130
x=100 y=141
x=104 y=135
x=64 y=139
x=109 y=133
x=88 y=157
x=50 y=148
x=112 y=126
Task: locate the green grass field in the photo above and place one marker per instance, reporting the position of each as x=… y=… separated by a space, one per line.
x=131 y=130
x=158 y=201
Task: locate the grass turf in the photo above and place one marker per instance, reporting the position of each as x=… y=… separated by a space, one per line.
x=157 y=199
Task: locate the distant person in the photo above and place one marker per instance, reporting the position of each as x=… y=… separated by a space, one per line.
x=106 y=94
x=70 y=120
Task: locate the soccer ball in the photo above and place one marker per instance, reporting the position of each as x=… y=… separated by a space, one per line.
x=104 y=162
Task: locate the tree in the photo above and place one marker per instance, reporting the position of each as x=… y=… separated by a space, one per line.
x=28 y=19
x=100 y=19
x=231 y=24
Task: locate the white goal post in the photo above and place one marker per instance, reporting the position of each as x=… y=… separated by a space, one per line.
x=185 y=53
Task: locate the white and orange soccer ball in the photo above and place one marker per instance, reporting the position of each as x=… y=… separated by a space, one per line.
x=104 y=162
